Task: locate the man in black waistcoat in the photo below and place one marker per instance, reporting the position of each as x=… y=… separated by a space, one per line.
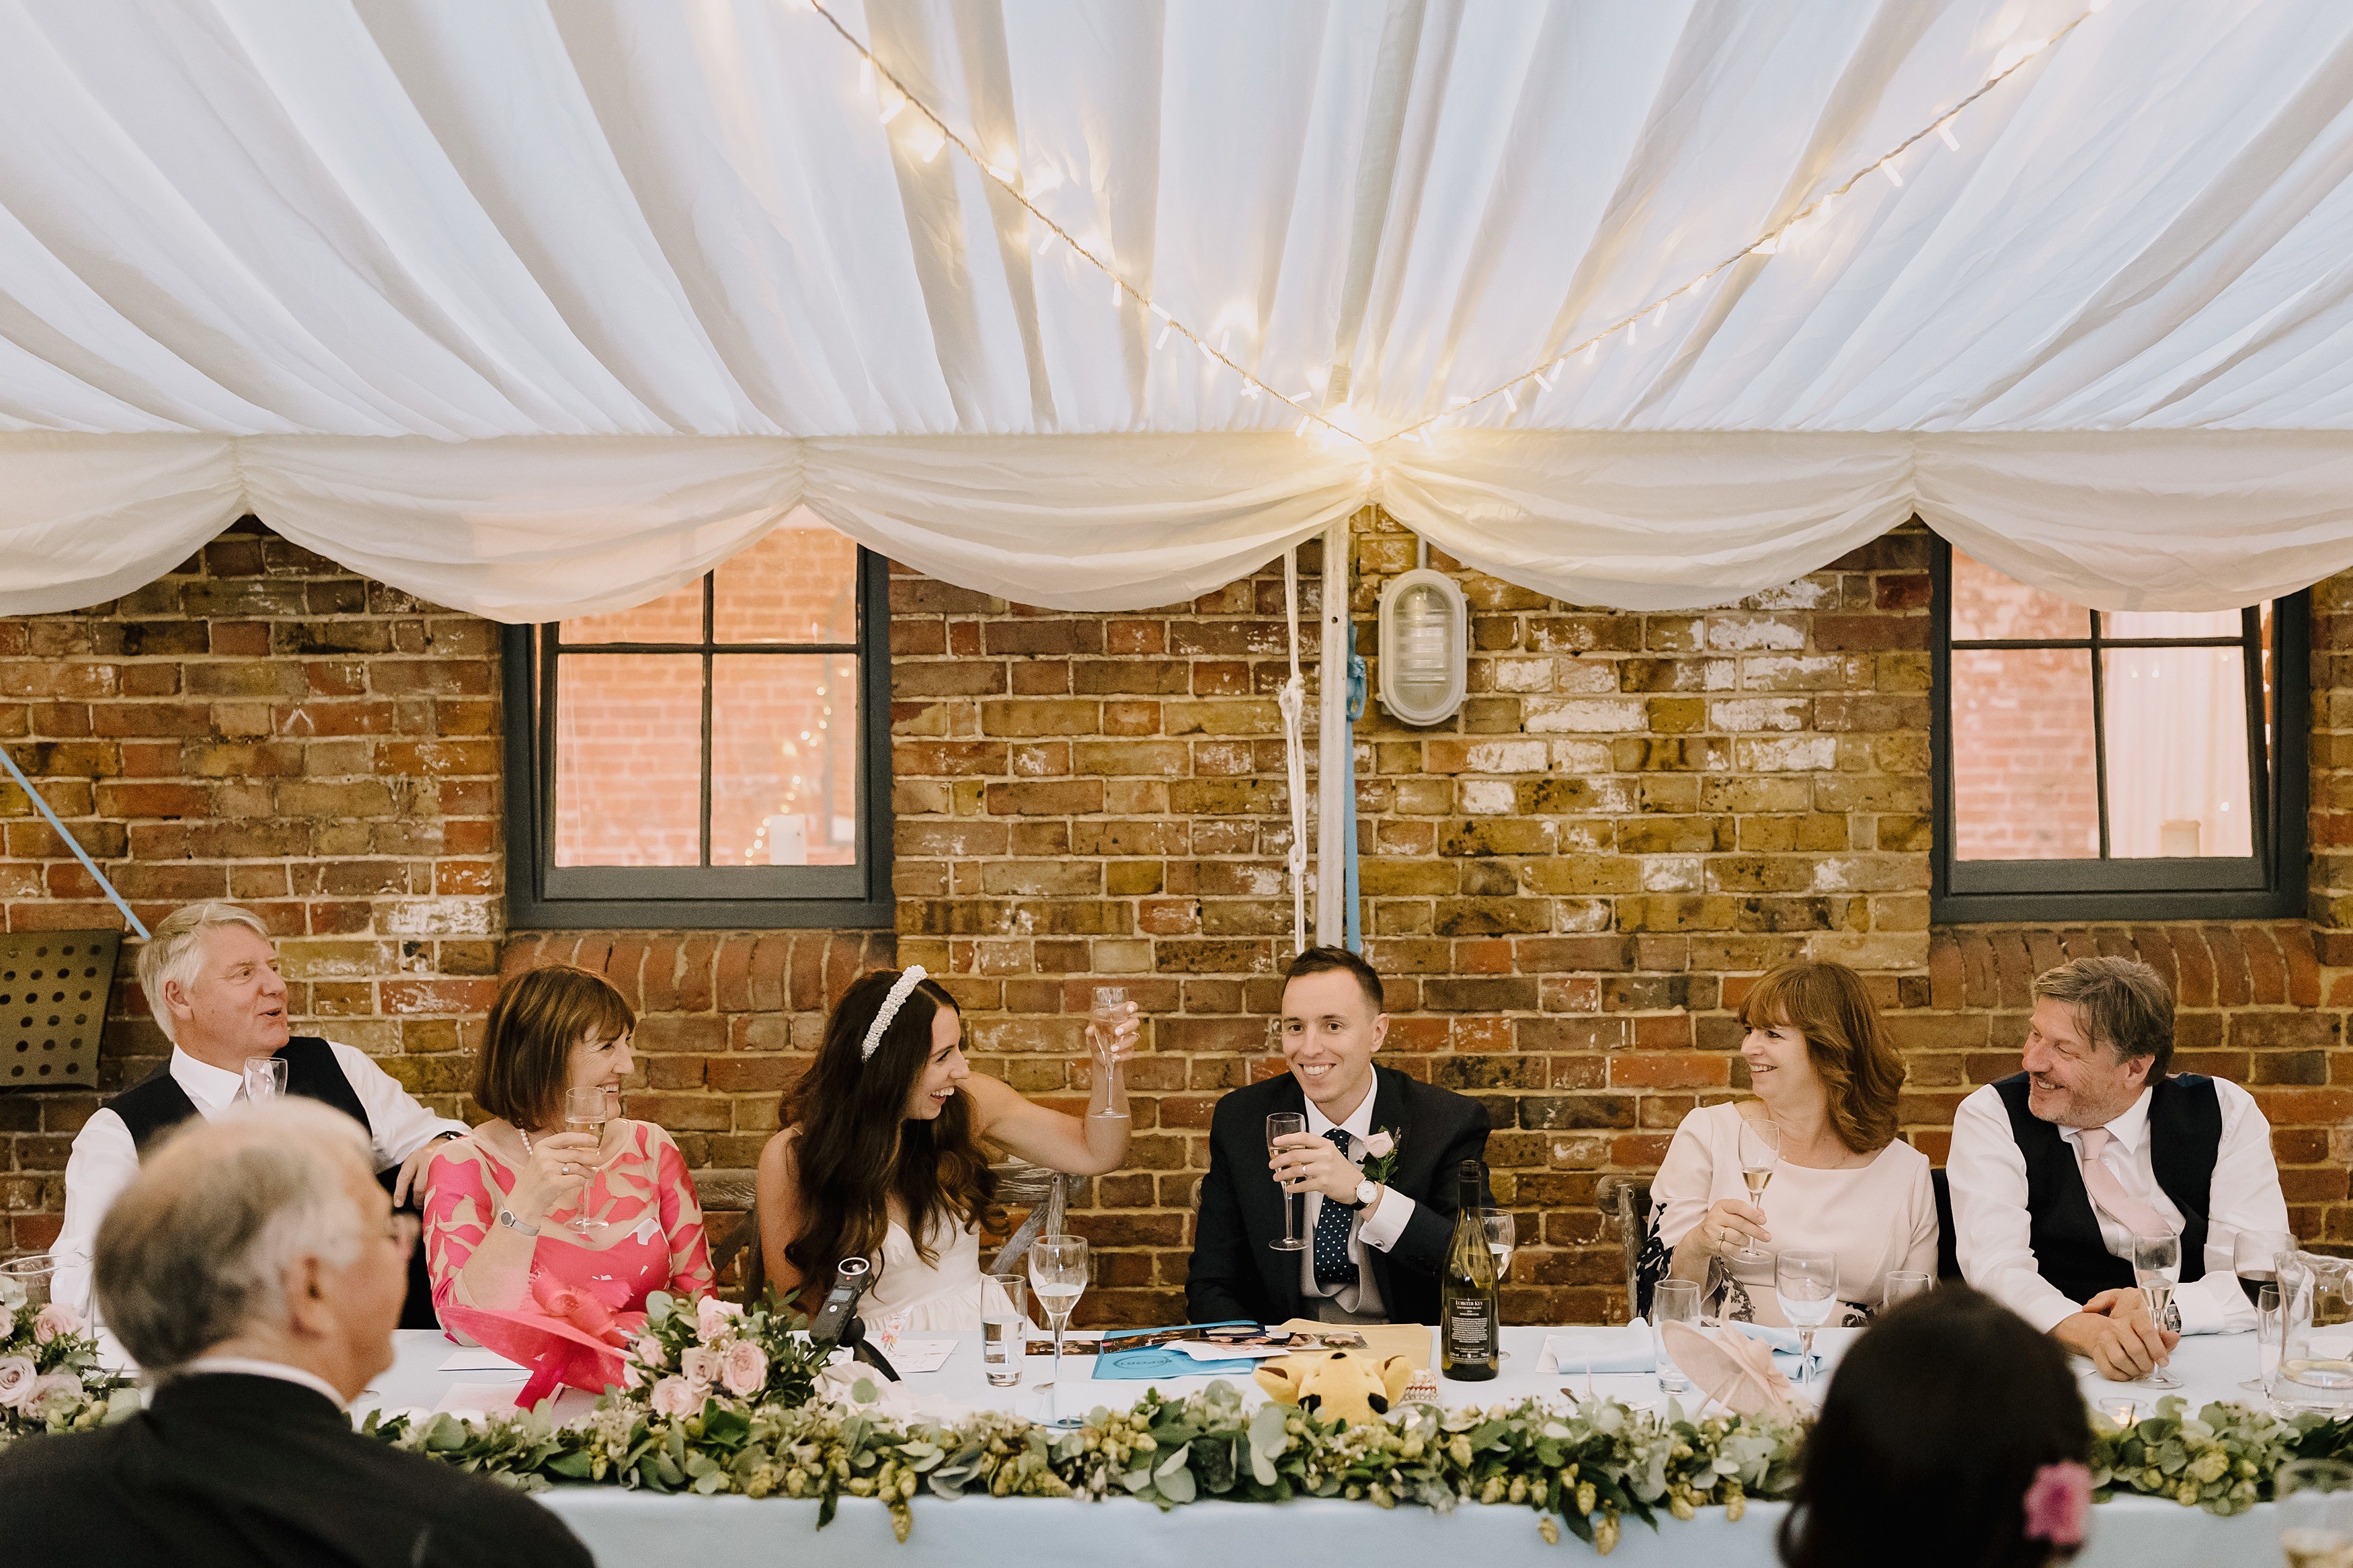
x=255 y=1268
x=1377 y=1167
x=2056 y=1169
x=210 y=973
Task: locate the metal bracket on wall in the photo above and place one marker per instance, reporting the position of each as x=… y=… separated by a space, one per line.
x=54 y=986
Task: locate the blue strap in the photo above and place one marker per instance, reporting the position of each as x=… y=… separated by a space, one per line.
x=90 y=865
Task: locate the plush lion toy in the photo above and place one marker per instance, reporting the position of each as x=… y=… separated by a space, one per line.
x=1337 y=1383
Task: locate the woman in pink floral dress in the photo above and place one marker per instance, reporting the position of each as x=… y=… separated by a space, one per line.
x=527 y=1223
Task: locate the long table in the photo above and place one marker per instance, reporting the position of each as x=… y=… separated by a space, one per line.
x=633 y=1528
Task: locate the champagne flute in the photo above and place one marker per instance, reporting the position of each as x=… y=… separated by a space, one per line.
x=2255 y=1259
x=586 y=1110
x=264 y=1078
x=1282 y=1124
x=2156 y=1260
x=1806 y=1283
x=1109 y=1097
x=1760 y=1151
x=2315 y=1512
x=1058 y=1274
x=1501 y=1240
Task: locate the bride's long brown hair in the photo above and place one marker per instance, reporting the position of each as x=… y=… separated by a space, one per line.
x=857 y=1147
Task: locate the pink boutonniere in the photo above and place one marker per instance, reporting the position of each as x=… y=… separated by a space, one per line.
x=1380 y=1155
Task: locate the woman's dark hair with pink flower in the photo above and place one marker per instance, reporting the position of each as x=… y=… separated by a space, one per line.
x=1952 y=1436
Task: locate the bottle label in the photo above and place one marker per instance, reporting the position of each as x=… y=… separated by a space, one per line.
x=1470 y=1330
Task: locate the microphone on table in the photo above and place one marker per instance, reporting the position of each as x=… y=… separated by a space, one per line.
x=836 y=1321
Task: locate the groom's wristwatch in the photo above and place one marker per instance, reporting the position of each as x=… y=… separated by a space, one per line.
x=1367 y=1191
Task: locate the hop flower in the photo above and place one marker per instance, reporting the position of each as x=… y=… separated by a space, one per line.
x=18 y=1377
x=679 y=1397
x=53 y=1320
x=747 y=1371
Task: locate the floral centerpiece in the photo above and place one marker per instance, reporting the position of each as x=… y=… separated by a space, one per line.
x=49 y=1377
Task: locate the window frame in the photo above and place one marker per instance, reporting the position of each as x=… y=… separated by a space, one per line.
x=2269 y=884
x=543 y=896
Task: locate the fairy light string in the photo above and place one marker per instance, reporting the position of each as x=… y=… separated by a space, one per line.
x=897 y=98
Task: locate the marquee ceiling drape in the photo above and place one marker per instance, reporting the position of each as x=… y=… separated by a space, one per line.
x=537 y=307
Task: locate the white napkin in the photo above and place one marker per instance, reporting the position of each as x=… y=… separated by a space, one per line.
x=1626 y=1349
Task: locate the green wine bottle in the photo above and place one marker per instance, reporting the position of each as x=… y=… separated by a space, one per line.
x=1470 y=1316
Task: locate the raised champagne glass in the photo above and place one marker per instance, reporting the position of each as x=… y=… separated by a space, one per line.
x=1760 y=1153
x=1282 y=1124
x=1058 y=1277
x=586 y=1111
x=2156 y=1260
x=1107 y=1098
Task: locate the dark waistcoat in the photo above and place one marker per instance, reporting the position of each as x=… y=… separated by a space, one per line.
x=2185 y=1131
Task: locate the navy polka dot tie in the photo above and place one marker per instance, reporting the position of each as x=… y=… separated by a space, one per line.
x=1332 y=1225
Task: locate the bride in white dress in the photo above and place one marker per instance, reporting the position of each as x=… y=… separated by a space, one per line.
x=881 y=1146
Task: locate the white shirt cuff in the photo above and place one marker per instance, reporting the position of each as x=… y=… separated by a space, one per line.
x=2046 y=1313
x=1381 y=1225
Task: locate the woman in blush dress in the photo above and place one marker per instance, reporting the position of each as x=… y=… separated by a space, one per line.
x=880 y=1157
x=521 y=1215
x=1827 y=1079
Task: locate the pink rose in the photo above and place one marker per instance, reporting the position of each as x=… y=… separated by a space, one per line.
x=49 y=1384
x=713 y=1317
x=651 y=1351
x=679 y=1397
x=747 y=1371
x=53 y=1320
x=1377 y=1146
x=18 y=1377
x=2056 y=1503
x=703 y=1364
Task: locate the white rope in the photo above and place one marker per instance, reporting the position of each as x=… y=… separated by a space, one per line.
x=1292 y=700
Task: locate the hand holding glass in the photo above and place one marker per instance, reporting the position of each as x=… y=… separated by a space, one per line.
x=1112 y=1012
x=586 y=1110
x=1806 y=1284
x=1760 y=1151
x=1282 y=1124
x=1058 y=1275
x=2156 y=1260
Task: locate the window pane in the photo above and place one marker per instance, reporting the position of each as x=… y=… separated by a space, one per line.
x=2178 y=752
x=783 y=760
x=673 y=617
x=2025 y=783
x=799 y=584
x=1988 y=606
x=2171 y=624
x=629 y=759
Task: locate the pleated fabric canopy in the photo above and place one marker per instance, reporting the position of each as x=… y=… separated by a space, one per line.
x=541 y=307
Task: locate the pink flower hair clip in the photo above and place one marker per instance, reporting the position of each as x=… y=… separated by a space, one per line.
x=2056 y=1502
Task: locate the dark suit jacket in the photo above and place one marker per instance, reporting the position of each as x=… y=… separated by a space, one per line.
x=1236 y=1273
x=226 y=1468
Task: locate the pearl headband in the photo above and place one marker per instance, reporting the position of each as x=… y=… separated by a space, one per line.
x=901 y=989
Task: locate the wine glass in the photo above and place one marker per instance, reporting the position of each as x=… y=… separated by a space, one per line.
x=1502 y=1239
x=1760 y=1151
x=586 y=1110
x=1903 y=1283
x=1111 y=1009
x=264 y=1078
x=2255 y=1259
x=1807 y=1286
x=2315 y=1511
x=1282 y=1124
x=2156 y=1260
x=1058 y=1274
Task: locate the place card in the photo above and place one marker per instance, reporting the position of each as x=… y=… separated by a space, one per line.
x=474 y=1358
x=919 y=1356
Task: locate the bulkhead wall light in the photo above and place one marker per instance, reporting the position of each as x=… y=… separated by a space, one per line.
x=1425 y=645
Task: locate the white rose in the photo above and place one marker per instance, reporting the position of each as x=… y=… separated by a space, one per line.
x=678 y=1397
x=703 y=1363
x=48 y=1385
x=1378 y=1145
x=11 y=1296
x=713 y=1317
x=18 y=1377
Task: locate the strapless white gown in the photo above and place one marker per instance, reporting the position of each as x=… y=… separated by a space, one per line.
x=911 y=1295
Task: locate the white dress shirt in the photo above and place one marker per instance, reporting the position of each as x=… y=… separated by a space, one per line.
x=1377 y=1228
x=246 y=1366
x=104 y=1159
x=1991 y=1229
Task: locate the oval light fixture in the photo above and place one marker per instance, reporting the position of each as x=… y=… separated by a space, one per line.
x=1425 y=645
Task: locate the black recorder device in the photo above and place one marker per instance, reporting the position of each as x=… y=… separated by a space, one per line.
x=836 y=1321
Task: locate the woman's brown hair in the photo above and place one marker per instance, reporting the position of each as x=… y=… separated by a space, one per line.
x=527 y=1044
x=1861 y=1072
x=857 y=1146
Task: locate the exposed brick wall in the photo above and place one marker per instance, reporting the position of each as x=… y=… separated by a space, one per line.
x=1570 y=883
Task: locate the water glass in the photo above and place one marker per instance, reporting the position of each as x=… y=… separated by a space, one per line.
x=2269 y=1322
x=1806 y=1284
x=2315 y=1512
x=32 y=1273
x=1904 y=1284
x=1673 y=1301
x=1004 y=1328
x=264 y=1078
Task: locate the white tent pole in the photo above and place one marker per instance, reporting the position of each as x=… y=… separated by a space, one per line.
x=1333 y=740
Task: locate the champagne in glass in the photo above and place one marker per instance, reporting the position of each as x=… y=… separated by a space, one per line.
x=1806 y=1284
x=586 y=1110
x=2156 y=1260
x=1282 y=1124
x=1760 y=1151
x=1108 y=1099
x=1058 y=1276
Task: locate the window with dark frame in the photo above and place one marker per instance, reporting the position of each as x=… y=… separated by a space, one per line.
x=2113 y=765
x=716 y=757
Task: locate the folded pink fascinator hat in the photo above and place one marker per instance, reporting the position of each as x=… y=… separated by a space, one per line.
x=568 y=1335
x=1734 y=1371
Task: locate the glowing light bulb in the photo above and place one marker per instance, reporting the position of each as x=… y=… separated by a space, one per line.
x=1166 y=326
x=866 y=75
x=1546 y=382
x=893 y=101
x=1511 y=402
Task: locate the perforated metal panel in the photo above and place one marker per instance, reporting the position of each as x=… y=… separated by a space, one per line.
x=53 y=990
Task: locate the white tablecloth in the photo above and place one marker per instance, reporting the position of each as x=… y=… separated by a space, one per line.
x=633 y=1528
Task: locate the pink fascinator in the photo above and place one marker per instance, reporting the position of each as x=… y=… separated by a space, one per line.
x=567 y=1335
x=1732 y=1369
x=2057 y=1501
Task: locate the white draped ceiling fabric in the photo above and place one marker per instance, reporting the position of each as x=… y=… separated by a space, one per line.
x=541 y=307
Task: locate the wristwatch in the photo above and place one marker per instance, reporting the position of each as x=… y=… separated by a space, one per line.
x=507 y=1218
x=1367 y=1191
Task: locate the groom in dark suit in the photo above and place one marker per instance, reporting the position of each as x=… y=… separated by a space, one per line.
x=1377 y=1167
